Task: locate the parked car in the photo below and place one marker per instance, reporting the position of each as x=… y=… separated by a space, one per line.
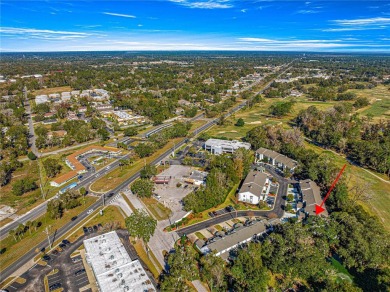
x=59 y=249
x=79 y=272
x=55 y=252
x=76 y=259
x=46 y=258
x=211 y=214
x=55 y=286
x=61 y=245
x=229 y=208
x=65 y=241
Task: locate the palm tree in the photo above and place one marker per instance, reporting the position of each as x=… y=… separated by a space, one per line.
x=13 y=233
x=29 y=225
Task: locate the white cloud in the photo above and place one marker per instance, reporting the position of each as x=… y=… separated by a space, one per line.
x=359 y=24
x=119 y=15
x=211 y=4
x=243 y=10
x=307 y=11
x=288 y=44
x=44 y=34
x=363 y=21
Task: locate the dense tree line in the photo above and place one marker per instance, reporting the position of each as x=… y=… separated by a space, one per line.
x=225 y=171
x=364 y=142
x=66 y=201
x=161 y=138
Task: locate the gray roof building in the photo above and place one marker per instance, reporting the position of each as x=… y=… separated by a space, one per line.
x=276 y=158
x=311 y=195
x=254 y=183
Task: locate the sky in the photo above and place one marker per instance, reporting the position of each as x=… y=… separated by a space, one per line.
x=258 y=25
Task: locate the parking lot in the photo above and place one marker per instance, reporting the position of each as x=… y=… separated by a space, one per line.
x=170 y=194
x=55 y=281
x=221 y=211
x=77 y=273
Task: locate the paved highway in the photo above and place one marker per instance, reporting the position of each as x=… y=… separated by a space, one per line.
x=70 y=225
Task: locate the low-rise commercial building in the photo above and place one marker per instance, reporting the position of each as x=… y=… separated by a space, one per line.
x=77 y=167
x=217 y=146
x=39 y=99
x=112 y=266
x=197 y=177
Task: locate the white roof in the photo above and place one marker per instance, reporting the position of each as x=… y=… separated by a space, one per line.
x=227 y=144
x=113 y=268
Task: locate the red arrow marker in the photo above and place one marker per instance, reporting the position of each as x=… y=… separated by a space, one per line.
x=319 y=208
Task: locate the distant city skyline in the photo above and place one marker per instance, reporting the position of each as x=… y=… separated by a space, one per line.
x=320 y=26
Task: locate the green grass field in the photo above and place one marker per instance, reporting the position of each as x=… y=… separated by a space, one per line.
x=159 y=211
x=380 y=102
x=259 y=115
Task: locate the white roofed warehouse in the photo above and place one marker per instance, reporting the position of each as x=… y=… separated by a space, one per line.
x=112 y=266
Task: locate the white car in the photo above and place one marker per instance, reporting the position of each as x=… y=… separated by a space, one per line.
x=90 y=211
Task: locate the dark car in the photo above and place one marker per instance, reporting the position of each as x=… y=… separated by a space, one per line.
x=95 y=228
x=85 y=229
x=74 y=218
x=215 y=213
x=229 y=208
x=100 y=225
x=211 y=214
x=55 y=252
x=79 y=272
x=54 y=286
x=110 y=195
x=65 y=241
x=46 y=258
x=62 y=245
x=76 y=259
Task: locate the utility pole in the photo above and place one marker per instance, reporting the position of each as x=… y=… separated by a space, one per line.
x=47 y=232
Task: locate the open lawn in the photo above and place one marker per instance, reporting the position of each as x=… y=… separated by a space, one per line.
x=16 y=249
x=380 y=102
x=379 y=190
x=147 y=259
x=159 y=211
x=110 y=214
x=118 y=175
x=259 y=115
x=52 y=90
